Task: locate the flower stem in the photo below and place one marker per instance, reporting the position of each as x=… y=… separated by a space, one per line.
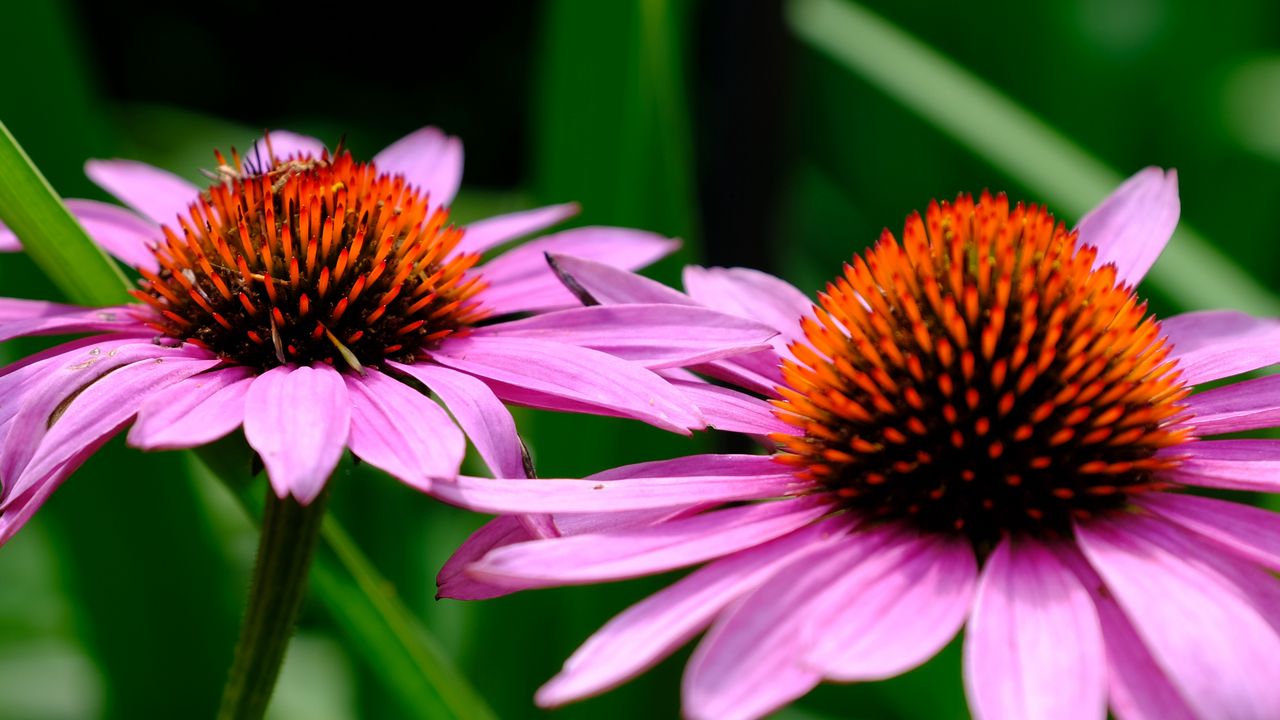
x=285 y=550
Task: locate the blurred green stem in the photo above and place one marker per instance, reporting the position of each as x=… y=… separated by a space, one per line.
x=285 y=549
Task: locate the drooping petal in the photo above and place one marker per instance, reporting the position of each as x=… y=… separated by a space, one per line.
x=1034 y=644
x=193 y=412
x=17 y=309
x=428 y=159
x=298 y=420
x=118 y=231
x=655 y=336
x=744 y=466
x=498 y=496
x=1214 y=344
x=454 y=582
x=1187 y=604
x=751 y=661
x=106 y=320
x=520 y=280
x=400 y=430
x=732 y=411
x=648 y=631
x=19 y=510
x=894 y=610
x=1251 y=532
x=1229 y=464
x=1239 y=406
x=491 y=232
x=480 y=413
x=578 y=374
x=597 y=557
x=97 y=412
x=18 y=379
x=283 y=145
x=609 y=285
x=751 y=294
x=65 y=378
x=1131 y=227
x=158 y=194
x=9 y=240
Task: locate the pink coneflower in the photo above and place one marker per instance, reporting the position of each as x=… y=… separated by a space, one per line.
x=310 y=298
x=985 y=428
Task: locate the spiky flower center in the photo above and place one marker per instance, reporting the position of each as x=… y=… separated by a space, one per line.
x=312 y=260
x=983 y=377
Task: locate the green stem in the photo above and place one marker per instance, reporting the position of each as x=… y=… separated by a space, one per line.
x=288 y=542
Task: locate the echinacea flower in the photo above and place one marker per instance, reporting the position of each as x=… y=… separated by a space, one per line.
x=984 y=428
x=309 y=298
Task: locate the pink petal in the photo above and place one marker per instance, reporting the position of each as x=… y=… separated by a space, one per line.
x=9 y=240
x=453 y=581
x=894 y=610
x=298 y=420
x=491 y=232
x=759 y=372
x=750 y=662
x=609 y=285
x=499 y=496
x=520 y=279
x=1187 y=605
x=1250 y=532
x=159 y=195
x=656 y=336
x=1214 y=344
x=696 y=465
x=15 y=309
x=652 y=629
x=18 y=379
x=193 y=412
x=97 y=412
x=605 y=556
x=1252 y=465
x=284 y=145
x=65 y=379
x=21 y=509
x=1244 y=405
x=578 y=374
x=1034 y=645
x=751 y=294
x=480 y=413
x=428 y=159
x=400 y=430
x=126 y=236
x=108 y=320
x=1131 y=227
x=732 y=411
x=1138 y=689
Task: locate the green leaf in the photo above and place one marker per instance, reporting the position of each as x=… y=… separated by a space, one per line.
x=394 y=645
x=1193 y=272
x=50 y=235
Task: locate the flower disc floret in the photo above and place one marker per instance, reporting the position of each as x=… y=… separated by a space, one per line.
x=982 y=376
x=312 y=259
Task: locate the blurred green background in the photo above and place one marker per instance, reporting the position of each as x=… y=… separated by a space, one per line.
x=777 y=135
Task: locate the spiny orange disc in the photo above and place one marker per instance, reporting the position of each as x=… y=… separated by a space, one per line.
x=312 y=260
x=981 y=376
